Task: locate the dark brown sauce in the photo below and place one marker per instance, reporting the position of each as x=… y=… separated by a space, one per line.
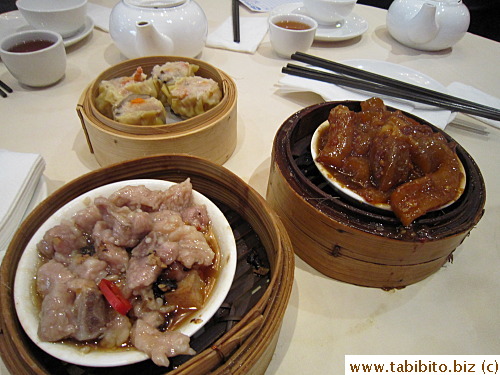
x=31 y=46
x=292 y=25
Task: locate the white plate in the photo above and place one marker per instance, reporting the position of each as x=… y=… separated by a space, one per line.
x=27 y=312
x=436 y=116
x=13 y=22
x=396 y=71
x=352 y=26
x=353 y=195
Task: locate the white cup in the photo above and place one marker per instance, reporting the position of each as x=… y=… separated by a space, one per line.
x=329 y=12
x=286 y=40
x=65 y=17
x=41 y=67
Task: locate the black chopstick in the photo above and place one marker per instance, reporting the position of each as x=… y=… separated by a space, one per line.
x=386 y=81
x=482 y=111
x=6 y=88
x=236 y=21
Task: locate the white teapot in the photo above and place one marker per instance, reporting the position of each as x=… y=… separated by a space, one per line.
x=429 y=25
x=158 y=27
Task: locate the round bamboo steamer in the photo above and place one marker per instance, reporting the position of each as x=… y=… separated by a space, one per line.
x=350 y=242
x=247 y=345
x=211 y=135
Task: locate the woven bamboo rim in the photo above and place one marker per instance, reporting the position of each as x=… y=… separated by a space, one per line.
x=128 y=67
x=248 y=346
x=348 y=242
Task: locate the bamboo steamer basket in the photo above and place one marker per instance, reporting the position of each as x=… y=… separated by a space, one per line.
x=347 y=241
x=211 y=135
x=241 y=337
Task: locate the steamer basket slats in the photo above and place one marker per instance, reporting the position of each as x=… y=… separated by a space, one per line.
x=243 y=332
x=348 y=241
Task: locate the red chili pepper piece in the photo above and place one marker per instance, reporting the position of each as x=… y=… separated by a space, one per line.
x=114 y=296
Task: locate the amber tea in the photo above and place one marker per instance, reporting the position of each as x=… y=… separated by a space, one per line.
x=292 y=25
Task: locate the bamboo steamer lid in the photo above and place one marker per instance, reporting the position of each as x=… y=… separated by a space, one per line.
x=242 y=336
x=348 y=242
x=211 y=135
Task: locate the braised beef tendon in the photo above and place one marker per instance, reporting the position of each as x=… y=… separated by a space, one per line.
x=151 y=250
x=340 y=137
x=438 y=186
x=389 y=158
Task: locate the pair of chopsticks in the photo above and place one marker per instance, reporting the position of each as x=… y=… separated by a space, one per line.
x=367 y=81
x=4 y=86
x=236 y=21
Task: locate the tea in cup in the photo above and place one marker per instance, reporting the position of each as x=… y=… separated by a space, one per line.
x=290 y=33
x=65 y=17
x=35 y=58
x=329 y=12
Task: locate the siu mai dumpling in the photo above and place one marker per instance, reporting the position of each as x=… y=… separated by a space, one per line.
x=140 y=110
x=112 y=91
x=170 y=71
x=191 y=96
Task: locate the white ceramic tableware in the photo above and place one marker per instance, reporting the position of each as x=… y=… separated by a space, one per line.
x=428 y=25
x=41 y=60
x=27 y=310
x=290 y=33
x=329 y=12
x=351 y=27
x=161 y=27
x=65 y=17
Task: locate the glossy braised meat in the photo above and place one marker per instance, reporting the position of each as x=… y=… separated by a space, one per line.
x=386 y=157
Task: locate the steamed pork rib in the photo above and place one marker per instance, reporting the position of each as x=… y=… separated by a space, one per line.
x=159 y=345
x=147 y=248
x=386 y=157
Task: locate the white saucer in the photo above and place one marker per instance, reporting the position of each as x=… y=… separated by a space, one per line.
x=13 y=22
x=352 y=26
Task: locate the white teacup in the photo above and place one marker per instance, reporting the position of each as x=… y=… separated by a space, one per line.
x=290 y=33
x=65 y=17
x=329 y=12
x=35 y=58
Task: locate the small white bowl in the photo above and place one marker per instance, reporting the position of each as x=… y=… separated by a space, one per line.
x=342 y=189
x=65 y=17
x=27 y=311
x=38 y=68
x=286 y=41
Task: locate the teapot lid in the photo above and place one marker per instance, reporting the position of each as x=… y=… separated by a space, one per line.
x=155 y=3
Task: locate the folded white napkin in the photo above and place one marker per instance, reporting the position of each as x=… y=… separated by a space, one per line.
x=471 y=93
x=20 y=174
x=252 y=31
x=100 y=15
x=331 y=92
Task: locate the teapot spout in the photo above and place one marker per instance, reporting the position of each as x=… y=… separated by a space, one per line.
x=150 y=42
x=423 y=28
